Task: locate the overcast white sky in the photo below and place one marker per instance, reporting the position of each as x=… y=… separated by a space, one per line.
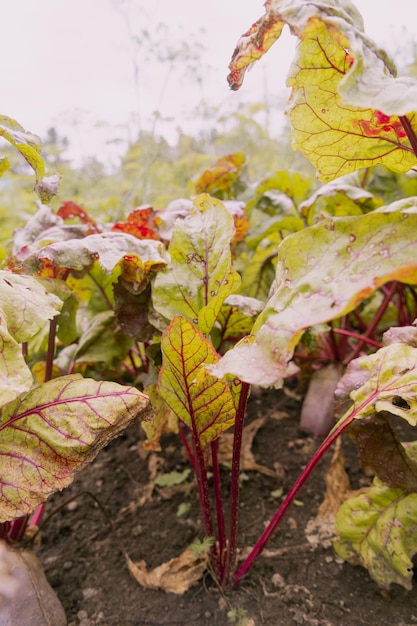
x=70 y=63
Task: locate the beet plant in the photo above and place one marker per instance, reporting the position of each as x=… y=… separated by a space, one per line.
x=199 y=301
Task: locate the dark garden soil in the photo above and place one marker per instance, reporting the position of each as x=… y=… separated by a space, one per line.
x=294 y=583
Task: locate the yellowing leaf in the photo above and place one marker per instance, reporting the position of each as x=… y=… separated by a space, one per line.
x=50 y=433
x=377 y=530
x=162 y=421
x=336 y=137
x=221 y=175
x=200 y=275
x=201 y=401
x=347 y=108
x=29 y=145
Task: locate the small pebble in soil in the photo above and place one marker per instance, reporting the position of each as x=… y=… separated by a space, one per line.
x=278 y=581
x=67 y=565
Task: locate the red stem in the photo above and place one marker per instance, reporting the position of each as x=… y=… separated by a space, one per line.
x=51 y=348
x=186 y=445
x=377 y=318
x=350 y=333
x=203 y=491
x=18 y=526
x=235 y=483
x=266 y=535
x=412 y=138
x=221 y=526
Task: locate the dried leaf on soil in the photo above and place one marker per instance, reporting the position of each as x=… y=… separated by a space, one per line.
x=175 y=576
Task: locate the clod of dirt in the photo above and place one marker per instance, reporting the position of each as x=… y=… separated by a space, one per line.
x=32 y=600
x=317 y=413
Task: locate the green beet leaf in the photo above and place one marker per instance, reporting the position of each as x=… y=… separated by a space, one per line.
x=347 y=108
x=200 y=275
x=102 y=341
x=339 y=198
x=201 y=401
x=236 y=318
x=25 y=306
x=258 y=271
x=4 y=165
x=323 y=272
x=378 y=530
x=29 y=145
x=51 y=432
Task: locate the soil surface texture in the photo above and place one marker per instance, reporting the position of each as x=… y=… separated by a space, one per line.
x=298 y=580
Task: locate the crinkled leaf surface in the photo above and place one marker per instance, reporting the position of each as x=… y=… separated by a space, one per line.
x=105 y=248
x=346 y=102
x=200 y=275
x=43 y=228
x=201 y=401
x=25 y=306
x=323 y=272
x=29 y=145
x=50 y=433
x=378 y=530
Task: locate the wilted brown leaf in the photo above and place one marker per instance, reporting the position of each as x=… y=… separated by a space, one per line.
x=175 y=576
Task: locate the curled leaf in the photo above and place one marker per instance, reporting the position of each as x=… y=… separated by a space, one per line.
x=174 y=576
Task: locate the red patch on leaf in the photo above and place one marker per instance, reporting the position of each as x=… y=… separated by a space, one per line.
x=48 y=270
x=140 y=223
x=71 y=210
x=381 y=123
